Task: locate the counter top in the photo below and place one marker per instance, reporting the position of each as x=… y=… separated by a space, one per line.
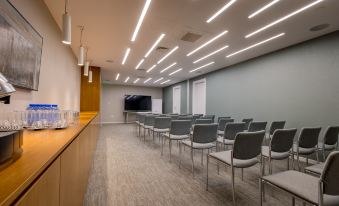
x=40 y=149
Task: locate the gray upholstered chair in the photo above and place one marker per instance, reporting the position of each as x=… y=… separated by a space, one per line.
x=246 y=149
x=247 y=122
x=257 y=126
x=315 y=169
x=306 y=144
x=174 y=117
x=161 y=126
x=148 y=124
x=141 y=121
x=209 y=117
x=230 y=132
x=323 y=191
x=279 y=147
x=187 y=117
x=330 y=141
x=204 y=137
x=221 y=125
x=203 y=121
x=219 y=118
x=274 y=126
x=180 y=130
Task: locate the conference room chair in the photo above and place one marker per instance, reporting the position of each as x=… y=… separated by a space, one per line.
x=180 y=130
x=274 y=126
x=208 y=117
x=195 y=117
x=320 y=191
x=257 y=126
x=279 y=147
x=141 y=122
x=230 y=132
x=204 y=137
x=306 y=144
x=203 y=121
x=219 y=118
x=161 y=126
x=247 y=122
x=221 y=125
x=245 y=153
x=330 y=140
x=315 y=169
x=174 y=117
x=148 y=124
x=187 y=117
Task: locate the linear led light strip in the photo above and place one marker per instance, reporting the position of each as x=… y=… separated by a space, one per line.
x=147 y=80
x=117 y=77
x=283 y=18
x=152 y=67
x=139 y=64
x=165 y=81
x=193 y=70
x=168 y=67
x=178 y=70
x=221 y=10
x=263 y=8
x=158 y=80
x=210 y=54
x=141 y=18
x=257 y=44
x=126 y=55
x=154 y=45
x=126 y=80
x=167 y=55
x=207 y=43
x=135 y=81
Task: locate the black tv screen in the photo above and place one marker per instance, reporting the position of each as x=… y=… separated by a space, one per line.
x=138 y=103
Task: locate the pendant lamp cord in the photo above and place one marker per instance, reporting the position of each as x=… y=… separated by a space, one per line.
x=66 y=6
x=81 y=30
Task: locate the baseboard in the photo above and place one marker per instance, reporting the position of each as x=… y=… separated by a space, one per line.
x=116 y=122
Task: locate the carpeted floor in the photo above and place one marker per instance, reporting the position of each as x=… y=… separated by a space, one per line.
x=128 y=171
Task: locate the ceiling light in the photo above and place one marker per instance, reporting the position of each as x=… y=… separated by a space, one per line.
x=283 y=18
x=168 y=67
x=158 y=80
x=257 y=44
x=169 y=53
x=193 y=70
x=154 y=45
x=165 y=81
x=207 y=43
x=81 y=57
x=126 y=80
x=152 y=67
x=221 y=10
x=141 y=18
x=210 y=54
x=178 y=70
x=90 y=76
x=135 y=81
x=86 y=68
x=263 y=8
x=147 y=80
x=126 y=55
x=139 y=64
x=66 y=26
x=117 y=77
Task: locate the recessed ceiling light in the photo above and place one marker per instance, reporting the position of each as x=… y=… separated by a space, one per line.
x=178 y=70
x=135 y=81
x=158 y=80
x=207 y=43
x=126 y=80
x=210 y=54
x=117 y=77
x=193 y=70
x=169 y=53
x=147 y=80
x=283 y=18
x=263 y=8
x=139 y=64
x=165 y=81
x=141 y=18
x=319 y=27
x=168 y=67
x=126 y=55
x=254 y=45
x=221 y=10
x=152 y=67
x=154 y=45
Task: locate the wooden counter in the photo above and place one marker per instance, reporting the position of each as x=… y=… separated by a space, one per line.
x=43 y=151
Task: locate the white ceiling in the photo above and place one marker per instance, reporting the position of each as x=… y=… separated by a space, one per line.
x=109 y=25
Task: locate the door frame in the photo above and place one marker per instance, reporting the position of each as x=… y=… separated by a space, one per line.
x=174 y=88
x=193 y=93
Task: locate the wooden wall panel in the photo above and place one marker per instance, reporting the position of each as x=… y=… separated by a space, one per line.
x=90 y=92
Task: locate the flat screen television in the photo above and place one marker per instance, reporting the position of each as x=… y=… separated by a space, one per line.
x=138 y=103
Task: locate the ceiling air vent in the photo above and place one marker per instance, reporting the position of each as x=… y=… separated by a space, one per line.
x=161 y=48
x=191 y=37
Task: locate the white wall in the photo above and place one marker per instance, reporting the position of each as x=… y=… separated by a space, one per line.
x=59 y=73
x=112 y=104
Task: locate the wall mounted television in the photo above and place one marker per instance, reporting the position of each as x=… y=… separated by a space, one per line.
x=138 y=103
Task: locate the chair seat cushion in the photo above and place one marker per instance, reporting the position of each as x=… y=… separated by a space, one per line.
x=274 y=155
x=327 y=146
x=176 y=137
x=225 y=141
x=148 y=127
x=304 y=151
x=161 y=130
x=225 y=157
x=220 y=132
x=316 y=169
x=199 y=145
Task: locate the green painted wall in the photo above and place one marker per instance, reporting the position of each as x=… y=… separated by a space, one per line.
x=168 y=98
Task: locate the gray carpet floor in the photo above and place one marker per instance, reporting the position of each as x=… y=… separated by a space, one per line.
x=128 y=171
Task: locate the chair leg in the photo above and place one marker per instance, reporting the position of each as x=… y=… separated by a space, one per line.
x=242 y=174
x=324 y=155
x=233 y=192
x=170 y=149
x=144 y=135
x=317 y=156
x=293 y=161
x=207 y=172
x=260 y=191
x=162 y=146
x=293 y=201
x=298 y=162
x=192 y=159
x=180 y=154
x=153 y=137
x=202 y=157
x=263 y=166
x=270 y=166
x=288 y=163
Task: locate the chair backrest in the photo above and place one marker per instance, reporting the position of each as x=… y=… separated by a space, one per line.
x=205 y=133
x=174 y=117
x=247 y=122
x=222 y=123
x=232 y=129
x=181 y=127
x=247 y=145
x=149 y=120
x=331 y=135
x=282 y=140
x=142 y=118
x=330 y=174
x=203 y=121
x=162 y=122
x=277 y=125
x=308 y=137
x=257 y=126
x=219 y=118
x=185 y=117
x=209 y=117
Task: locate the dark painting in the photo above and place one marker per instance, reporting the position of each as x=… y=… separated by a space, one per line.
x=20 y=48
